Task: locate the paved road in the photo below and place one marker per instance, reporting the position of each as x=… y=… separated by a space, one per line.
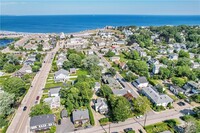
x=135 y=123
x=20 y=122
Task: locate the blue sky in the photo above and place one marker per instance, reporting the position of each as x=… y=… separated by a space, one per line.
x=137 y=7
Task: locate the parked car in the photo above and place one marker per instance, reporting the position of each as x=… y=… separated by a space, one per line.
x=128 y=130
x=59 y=121
x=37 y=98
x=25 y=107
x=181 y=103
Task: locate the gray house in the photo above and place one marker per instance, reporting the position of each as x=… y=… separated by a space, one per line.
x=192 y=87
x=176 y=89
x=80 y=117
x=101 y=106
x=53 y=92
x=156 y=98
x=61 y=75
x=42 y=122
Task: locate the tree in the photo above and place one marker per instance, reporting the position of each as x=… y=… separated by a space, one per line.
x=67 y=65
x=40 y=47
x=75 y=59
x=35 y=68
x=96 y=74
x=9 y=68
x=40 y=109
x=140 y=105
x=133 y=55
x=121 y=109
x=130 y=76
x=14 y=85
x=182 y=53
x=183 y=62
x=178 y=81
x=139 y=67
x=164 y=73
x=109 y=54
x=90 y=62
x=196 y=98
x=105 y=91
x=6 y=101
x=53 y=129
x=112 y=71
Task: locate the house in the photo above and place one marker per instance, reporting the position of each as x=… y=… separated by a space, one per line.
x=1 y=73
x=54 y=92
x=127 y=32
x=119 y=92
x=176 y=89
x=101 y=106
x=24 y=70
x=170 y=50
x=72 y=70
x=173 y=57
x=156 y=68
x=141 y=82
x=61 y=75
x=153 y=62
x=113 y=59
x=53 y=102
x=192 y=87
x=110 y=81
x=80 y=117
x=122 y=65
x=156 y=98
x=62 y=36
x=60 y=62
x=97 y=86
x=42 y=122
x=64 y=114
x=90 y=52
x=195 y=65
x=120 y=42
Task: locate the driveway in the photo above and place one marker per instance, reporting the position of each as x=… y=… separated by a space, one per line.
x=65 y=127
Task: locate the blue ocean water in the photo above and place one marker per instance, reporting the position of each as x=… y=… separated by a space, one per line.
x=5 y=42
x=76 y=23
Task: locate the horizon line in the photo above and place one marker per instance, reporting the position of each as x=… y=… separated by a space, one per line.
x=101 y=15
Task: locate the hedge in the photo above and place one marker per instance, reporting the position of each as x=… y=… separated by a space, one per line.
x=92 y=122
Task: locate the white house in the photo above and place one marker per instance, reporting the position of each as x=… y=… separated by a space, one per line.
x=141 y=82
x=53 y=102
x=101 y=106
x=97 y=86
x=54 y=92
x=113 y=59
x=156 y=68
x=173 y=57
x=61 y=75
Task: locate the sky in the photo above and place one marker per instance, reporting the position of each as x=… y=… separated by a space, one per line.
x=95 y=7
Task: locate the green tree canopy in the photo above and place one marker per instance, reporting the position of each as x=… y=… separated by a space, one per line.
x=14 y=85
x=6 y=101
x=121 y=109
x=40 y=109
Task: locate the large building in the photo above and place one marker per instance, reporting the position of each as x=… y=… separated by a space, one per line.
x=42 y=122
x=156 y=98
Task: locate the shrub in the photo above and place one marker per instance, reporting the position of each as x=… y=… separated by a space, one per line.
x=92 y=122
x=104 y=121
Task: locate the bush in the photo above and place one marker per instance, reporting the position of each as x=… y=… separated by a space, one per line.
x=92 y=122
x=104 y=121
x=53 y=129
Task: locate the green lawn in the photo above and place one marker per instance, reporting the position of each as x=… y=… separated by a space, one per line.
x=50 y=85
x=162 y=126
x=3 y=78
x=80 y=72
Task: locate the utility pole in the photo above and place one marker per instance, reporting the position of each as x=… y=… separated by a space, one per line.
x=145 y=120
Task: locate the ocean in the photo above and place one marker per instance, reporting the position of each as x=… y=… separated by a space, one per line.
x=76 y=23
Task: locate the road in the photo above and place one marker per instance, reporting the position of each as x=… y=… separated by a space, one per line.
x=135 y=123
x=20 y=122
x=127 y=85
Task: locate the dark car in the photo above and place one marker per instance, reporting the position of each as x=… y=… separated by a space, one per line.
x=59 y=121
x=181 y=103
x=140 y=131
x=24 y=109
x=37 y=98
x=128 y=130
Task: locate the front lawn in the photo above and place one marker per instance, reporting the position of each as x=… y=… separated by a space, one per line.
x=80 y=72
x=162 y=126
x=52 y=84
